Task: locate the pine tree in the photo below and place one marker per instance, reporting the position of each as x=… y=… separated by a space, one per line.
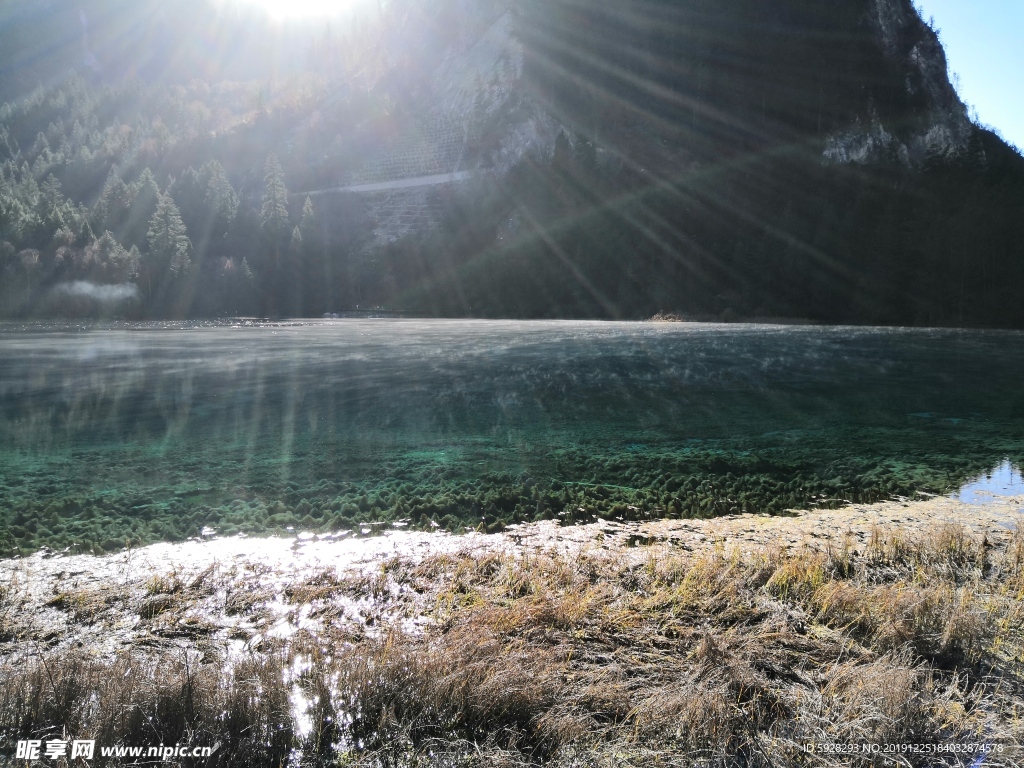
x=275 y=228
x=130 y=265
x=107 y=261
x=314 y=276
x=274 y=213
x=308 y=223
x=294 y=274
x=311 y=239
x=220 y=200
x=189 y=192
x=145 y=196
x=50 y=197
x=112 y=207
x=247 y=276
x=169 y=245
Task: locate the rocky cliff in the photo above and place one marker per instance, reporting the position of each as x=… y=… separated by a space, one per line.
x=867 y=85
x=941 y=127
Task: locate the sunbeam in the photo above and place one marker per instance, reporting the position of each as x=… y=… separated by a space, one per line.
x=302 y=9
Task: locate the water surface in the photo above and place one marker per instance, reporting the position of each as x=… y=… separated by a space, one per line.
x=994 y=486
x=144 y=432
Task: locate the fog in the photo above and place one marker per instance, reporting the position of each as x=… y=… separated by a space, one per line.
x=105 y=294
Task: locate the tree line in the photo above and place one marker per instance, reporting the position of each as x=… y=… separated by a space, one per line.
x=189 y=247
x=688 y=177
x=125 y=185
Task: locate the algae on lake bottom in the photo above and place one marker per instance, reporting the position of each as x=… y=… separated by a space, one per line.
x=128 y=436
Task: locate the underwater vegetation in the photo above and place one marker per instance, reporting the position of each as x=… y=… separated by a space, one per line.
x=129 y=435
x=102 y=505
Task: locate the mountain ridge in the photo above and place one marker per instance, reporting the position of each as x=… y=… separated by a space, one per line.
x=576 y=159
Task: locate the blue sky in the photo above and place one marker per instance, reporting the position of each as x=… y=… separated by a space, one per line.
x=984 y=41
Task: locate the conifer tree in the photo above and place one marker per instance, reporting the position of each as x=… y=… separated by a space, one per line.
x=112 y=207
x=293 y=276
x=130 y=265
x=306 y=226
x=50 y=196
x=189 y=193
x=247 y=276
x=220 y=201
x=314 y=276
x=107 y=261
x=169 y=245
x=145 y=196
x=275 y=227
x=309 y=231
x=274 y=213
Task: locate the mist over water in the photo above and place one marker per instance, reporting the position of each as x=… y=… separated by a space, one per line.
x=393 y=380
x=161 y=429
x=104 y=294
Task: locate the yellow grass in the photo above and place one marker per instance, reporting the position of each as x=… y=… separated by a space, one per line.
x=598 y=658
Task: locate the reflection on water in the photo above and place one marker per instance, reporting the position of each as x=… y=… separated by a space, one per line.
x=1003 y=481
x=144 y=432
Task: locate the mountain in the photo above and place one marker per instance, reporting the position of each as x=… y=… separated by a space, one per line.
x=529 y=158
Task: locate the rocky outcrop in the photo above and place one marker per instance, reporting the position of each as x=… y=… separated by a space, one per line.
x=484 y=116
x=476 y=86
x=942 y=129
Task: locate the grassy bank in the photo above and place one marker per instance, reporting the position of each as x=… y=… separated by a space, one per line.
x=628 y=657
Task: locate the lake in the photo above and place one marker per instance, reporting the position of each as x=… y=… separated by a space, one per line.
x=133 y=433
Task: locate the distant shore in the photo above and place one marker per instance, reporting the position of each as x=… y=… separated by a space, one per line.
x=729 y=316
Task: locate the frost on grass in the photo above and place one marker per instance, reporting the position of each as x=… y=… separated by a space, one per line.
x=596 y=657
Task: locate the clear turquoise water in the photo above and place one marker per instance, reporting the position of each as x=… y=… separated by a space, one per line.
x=135 y=433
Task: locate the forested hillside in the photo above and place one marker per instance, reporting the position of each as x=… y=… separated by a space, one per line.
x=721 y=159
x=126 y=184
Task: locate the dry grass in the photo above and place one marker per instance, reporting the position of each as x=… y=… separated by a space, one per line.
x=601 y=659
x=716 y=658
x=165 y=584
x=84 y=605
x=136 y=699
x=9 y=609
x=322 y=586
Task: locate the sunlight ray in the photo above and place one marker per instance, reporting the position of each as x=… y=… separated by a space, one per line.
x=292 y=9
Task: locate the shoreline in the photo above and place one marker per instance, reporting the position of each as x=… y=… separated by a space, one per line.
x=625 y=644
x=96 y=599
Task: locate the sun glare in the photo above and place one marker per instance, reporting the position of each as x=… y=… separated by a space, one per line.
x=290 y=9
